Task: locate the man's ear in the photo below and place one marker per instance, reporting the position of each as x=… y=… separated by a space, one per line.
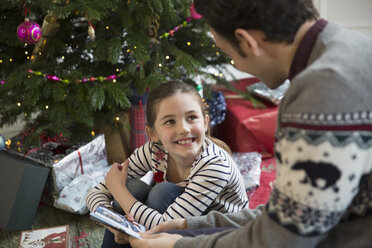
x=248 y=41
x=151 y=133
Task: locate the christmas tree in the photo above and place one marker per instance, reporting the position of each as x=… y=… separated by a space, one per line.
x=93 y=55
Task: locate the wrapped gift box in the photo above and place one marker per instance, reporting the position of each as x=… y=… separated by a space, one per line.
x=247 y=128
x=85 y=160
x=21 y=185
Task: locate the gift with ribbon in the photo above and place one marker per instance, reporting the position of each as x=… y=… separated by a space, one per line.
x=85 y=160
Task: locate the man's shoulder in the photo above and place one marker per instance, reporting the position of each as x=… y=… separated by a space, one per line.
x=338 y=77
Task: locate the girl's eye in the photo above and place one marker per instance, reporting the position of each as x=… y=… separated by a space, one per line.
x=192 y=117
x=169 y=122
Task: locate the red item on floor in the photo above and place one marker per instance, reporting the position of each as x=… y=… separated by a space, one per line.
x=262 y=193
x=247 y=128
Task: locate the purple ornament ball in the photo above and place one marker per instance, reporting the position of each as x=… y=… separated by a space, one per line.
x=29 y=32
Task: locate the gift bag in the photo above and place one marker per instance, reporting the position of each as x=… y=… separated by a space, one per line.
x=85 y=160
x=72 y=197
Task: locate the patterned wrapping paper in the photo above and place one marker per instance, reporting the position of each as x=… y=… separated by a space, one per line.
x=92 y=156
x=72 y=197
x=216 y=108
x=249 y=164
x=138 y=136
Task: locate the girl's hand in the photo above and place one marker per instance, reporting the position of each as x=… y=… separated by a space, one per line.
x=163 y=240
x=120 y=237
x=116 y=178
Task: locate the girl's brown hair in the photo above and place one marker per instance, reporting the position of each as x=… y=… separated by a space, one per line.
x=171 y=88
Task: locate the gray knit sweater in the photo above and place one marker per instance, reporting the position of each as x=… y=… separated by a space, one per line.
x=322 y=195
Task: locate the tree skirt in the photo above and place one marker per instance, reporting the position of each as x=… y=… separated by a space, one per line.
x=262 y=193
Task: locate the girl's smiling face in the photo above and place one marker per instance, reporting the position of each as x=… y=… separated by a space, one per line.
x=180 y=126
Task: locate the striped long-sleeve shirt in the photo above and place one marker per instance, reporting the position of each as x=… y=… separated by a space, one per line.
x=214 y=183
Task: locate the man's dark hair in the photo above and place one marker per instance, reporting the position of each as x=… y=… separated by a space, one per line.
x=279 y=20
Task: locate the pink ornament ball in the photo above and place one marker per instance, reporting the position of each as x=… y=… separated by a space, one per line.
x=29 y=32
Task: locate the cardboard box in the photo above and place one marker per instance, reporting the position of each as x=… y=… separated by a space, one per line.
x=21 y=185
x=56 y=237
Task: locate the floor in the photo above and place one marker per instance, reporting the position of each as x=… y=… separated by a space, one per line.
x=84 y=233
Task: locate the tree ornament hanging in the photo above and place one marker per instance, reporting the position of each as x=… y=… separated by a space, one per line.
x=91 y=32
x=152 y=30
x=193 y=13
x=49 y=29
x=29 y=32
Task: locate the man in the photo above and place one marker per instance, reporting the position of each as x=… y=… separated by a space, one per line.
x=322 y=195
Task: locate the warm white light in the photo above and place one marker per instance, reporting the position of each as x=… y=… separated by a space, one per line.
x=167 y=57
x=46 y=106
x=232 y=62
x=19 y=104
x=188 y=43
x=117 y=118
x=160 y=65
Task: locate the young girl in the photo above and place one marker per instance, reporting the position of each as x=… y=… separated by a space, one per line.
x=193 y=174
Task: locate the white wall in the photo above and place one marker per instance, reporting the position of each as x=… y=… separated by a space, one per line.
x=353 y=14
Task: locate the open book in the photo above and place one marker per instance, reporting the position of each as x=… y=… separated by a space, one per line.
x=117 y=221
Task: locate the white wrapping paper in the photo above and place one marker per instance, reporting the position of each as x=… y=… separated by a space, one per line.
x=92 y=158
x=72 y=197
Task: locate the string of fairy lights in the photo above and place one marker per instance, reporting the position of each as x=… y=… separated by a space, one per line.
x=109 y=78
x=112 y=78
